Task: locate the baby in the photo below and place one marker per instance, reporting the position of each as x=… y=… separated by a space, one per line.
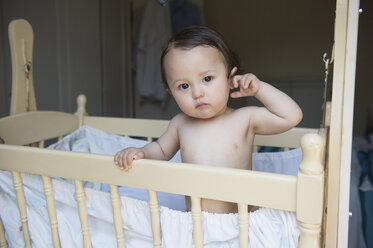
x=200 y=72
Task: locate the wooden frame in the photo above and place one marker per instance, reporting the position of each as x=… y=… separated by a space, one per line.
x=337 y=190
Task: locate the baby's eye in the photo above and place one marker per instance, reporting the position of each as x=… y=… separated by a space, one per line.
x=184 y=86
x=207 y=79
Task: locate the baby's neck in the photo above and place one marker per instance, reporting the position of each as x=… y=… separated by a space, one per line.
x=218 y=116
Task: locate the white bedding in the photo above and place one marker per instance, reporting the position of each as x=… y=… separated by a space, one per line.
x=268 y=228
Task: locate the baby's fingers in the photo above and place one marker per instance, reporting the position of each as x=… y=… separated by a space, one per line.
x=129 y=159
x=237 y=94
x=123 y=159
x=118 y=159
x=139 y=155
x=235 y=82
x=245 y=81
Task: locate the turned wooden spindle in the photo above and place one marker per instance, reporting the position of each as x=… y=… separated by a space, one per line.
x=83 y=214
x=243 y=225
x=155 y=219
x=81 y=101
x=117 y=215
x=197 y=221
x=49 y=196
x=21 y=202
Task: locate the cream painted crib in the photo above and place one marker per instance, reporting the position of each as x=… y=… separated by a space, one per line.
x=302 y=194
x=26 y=130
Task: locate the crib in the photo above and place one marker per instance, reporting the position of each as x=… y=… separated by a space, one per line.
x=26 y=129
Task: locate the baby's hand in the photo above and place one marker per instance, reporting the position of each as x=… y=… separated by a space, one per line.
x=125 y=157
x=249 y=85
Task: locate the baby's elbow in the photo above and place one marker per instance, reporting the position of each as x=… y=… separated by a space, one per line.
x=293 y=119
x=297 y=117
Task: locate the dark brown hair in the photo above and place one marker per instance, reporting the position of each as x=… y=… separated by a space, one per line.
x=200 y=36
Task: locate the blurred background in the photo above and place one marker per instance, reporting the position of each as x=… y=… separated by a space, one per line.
x=95 y=47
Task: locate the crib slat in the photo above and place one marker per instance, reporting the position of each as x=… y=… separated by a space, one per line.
x=243 y=224
x=48 y=191
x=3 y=243
x=255 y=148
x=83 y=214
x=197 y=221
x=41 y=144
x=117 y=216
x=155 y=220
x=21 y=202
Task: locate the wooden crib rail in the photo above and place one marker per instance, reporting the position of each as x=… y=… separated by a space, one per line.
x=128 y=126
x=155 y=128
x=289 y=139
x=302 y=194
x=256 y=188
x=30 y=127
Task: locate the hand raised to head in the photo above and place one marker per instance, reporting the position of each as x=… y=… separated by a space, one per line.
x=248 y=85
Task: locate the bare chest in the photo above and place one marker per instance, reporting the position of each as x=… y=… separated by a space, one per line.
x=217 y=145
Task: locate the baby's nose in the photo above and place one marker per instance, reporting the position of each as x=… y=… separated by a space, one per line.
x=197 y=93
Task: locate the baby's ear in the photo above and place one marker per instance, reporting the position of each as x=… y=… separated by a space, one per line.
x=233 y=72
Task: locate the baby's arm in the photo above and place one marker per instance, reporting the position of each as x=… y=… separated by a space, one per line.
x=162 y=149
x=280 y=112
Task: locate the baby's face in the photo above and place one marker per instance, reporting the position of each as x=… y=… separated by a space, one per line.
x=197 y=79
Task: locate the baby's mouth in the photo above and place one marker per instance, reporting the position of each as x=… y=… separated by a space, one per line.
x=201 y=104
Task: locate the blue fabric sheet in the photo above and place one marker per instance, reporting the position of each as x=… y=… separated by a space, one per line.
x=365 y=157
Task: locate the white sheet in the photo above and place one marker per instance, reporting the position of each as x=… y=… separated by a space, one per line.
x=268 y=228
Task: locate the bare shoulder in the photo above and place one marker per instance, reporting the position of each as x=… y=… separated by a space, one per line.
x=178 y=120
x=247 y=115
x=247 y=111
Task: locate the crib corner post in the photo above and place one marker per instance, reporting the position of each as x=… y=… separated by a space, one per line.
x=81 y=110
x=310 y=191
